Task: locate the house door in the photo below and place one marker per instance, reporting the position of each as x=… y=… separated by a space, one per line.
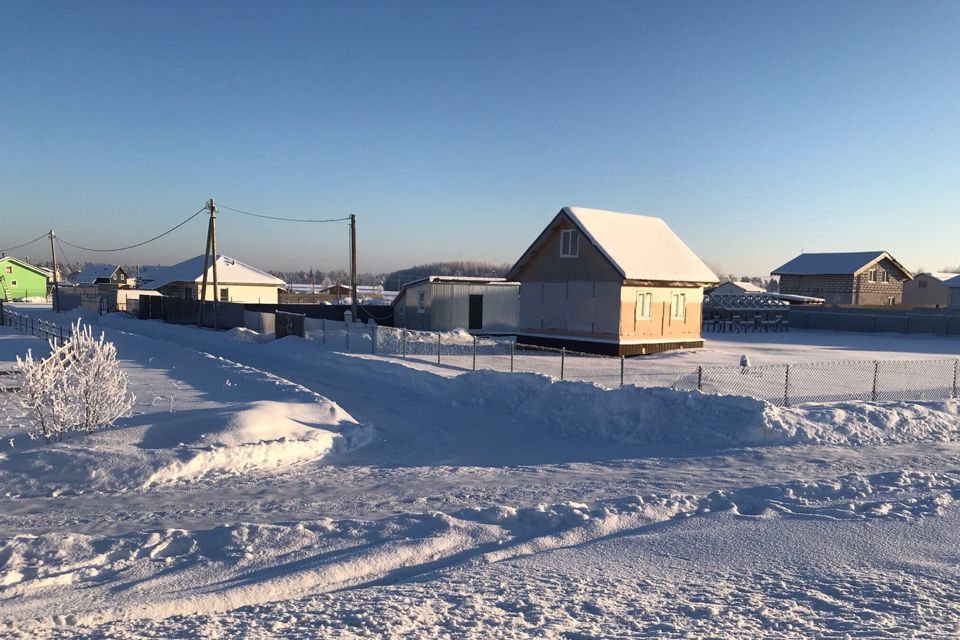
x=476 y=312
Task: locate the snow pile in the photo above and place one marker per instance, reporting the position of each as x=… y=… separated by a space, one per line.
x=692 y=420
x=268 y=435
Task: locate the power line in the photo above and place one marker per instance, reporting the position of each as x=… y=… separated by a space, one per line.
x=260 y=215
x=140 y=244
x=37 y=239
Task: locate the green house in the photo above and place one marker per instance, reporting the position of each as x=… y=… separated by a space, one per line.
x=21 y=280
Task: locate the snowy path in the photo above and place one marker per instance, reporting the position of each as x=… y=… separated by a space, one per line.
x=486 y=506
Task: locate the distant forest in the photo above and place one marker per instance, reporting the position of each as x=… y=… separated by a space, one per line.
x=393 y=281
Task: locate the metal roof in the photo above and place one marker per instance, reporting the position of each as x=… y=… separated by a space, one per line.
x=835 y=264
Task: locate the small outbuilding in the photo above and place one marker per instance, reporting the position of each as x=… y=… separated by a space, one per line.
x=928 y=290
x=237 y=281
x=953 y=292
x=486 y=306
x=610 y=283
x=857 y=278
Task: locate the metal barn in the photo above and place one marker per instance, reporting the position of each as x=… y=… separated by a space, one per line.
x=445 y=303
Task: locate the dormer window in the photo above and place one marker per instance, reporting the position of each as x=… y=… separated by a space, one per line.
x=569 y=243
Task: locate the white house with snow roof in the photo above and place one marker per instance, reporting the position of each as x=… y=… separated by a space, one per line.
x=612 y=283
x=237 y=281
x=850 y=278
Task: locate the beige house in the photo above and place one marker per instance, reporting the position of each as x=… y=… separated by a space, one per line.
x=236 y=281
x=927 y=290
x=611 y=283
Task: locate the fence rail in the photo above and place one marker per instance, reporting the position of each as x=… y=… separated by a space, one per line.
x=779 y=384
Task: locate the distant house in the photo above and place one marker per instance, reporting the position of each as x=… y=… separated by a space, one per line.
x=105 y=274
x=736 y=289
x=860 y=278
x=927 y=290
x=444 y=303
x=20 y=280
x=953 y=295
x=237 y=282
x=339 y=290
x=610 y=283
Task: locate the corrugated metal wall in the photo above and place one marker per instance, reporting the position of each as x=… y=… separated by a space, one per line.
x=447 y=307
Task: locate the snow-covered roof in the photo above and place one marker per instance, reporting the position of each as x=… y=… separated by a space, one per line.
x=26 y=265
x=746 y=287
x=834 y=264
x=953 y=282
x=92 y=272
x=229 y=271
x=639 y=247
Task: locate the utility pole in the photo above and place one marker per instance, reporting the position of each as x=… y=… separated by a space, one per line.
x=213 y=252
x=53 y=256
x=206 y=265
x=353 y=266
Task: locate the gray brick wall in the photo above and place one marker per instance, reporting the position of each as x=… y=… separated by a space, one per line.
x=847 y=289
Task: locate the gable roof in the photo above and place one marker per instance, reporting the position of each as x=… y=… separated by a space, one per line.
x=746 y=287
x=835 y=264
x=229 y=271
x=46 y=273
x=942 y=276
x=953 y=282
x=92 y=272
x=638 y=247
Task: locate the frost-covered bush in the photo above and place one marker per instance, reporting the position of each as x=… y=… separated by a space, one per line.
x=78 y=386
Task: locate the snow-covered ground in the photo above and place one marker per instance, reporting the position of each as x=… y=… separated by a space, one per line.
x=279 y=489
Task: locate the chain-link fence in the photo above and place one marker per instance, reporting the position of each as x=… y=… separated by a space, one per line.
x=780 y=384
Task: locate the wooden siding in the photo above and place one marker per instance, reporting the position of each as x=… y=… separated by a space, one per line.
x=546 y=265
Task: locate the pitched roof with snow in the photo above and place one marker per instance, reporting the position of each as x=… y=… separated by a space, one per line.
x=229 y=271
x=26 y=265
x=746 y=287
x=953 y=282
x=639 y=247
x=835 y=264
x=92 y=272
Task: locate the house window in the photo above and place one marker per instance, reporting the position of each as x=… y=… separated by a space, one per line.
x=678 y=306
x=922 y=284
x=644 y=302
x=872 y=275
x=422 y=302
x=884 y=276
x=9 y=269
x=224 y=294
x=13 y=283
x=569 y=243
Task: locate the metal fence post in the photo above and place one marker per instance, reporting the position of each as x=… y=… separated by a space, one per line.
x=621 y=370
x=403 y=343
x=438 y=347
x=876 y=374
x=513 y=348
x=700 y=378
x=347 y=327
x=474 y=353
x=956 y=365
x=786 y=387
x=563 y=355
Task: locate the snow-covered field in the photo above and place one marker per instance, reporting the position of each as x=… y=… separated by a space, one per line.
x=280 y=489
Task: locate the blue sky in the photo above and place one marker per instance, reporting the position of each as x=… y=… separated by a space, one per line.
x=455 y=130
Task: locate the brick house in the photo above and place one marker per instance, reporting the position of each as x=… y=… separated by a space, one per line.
x=859 y=278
